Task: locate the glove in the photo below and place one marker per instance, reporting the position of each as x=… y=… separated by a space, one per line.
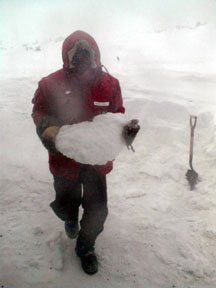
x=48 y=138
x=50 y=133
x=130 y=131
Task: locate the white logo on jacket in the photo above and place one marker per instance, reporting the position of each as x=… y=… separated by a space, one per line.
x=103 y=104
x=67 y=92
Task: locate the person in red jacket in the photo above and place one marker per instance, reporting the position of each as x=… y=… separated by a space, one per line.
x=77 y=92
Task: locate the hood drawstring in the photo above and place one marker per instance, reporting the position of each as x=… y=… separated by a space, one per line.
x=107 y=71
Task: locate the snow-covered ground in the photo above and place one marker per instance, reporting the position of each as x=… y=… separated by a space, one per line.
x=158 y=233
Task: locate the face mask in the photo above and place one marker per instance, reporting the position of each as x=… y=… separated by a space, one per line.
x=81 y=61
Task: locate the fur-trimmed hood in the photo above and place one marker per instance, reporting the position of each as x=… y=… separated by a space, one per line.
x=80 y=39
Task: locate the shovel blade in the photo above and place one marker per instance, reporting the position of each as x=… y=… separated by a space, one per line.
x=192 y=177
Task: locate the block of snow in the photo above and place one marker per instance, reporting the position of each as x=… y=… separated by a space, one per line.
x=93 y=142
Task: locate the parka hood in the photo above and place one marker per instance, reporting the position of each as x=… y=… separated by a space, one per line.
x=80 y=39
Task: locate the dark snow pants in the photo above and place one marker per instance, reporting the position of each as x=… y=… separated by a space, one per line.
x=90 y=191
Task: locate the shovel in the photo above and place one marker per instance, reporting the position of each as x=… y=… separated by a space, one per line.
x=192 y=175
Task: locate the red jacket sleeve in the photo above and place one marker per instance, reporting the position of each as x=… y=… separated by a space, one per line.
x=117 y=102
x=41 y=109
x=42 y=114
x=41 y=105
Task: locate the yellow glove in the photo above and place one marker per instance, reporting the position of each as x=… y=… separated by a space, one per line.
x=50 y=132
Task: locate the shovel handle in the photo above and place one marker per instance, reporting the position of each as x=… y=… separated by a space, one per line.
x=193 y=124
x=193 y=120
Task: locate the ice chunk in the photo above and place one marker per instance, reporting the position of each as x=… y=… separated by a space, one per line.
x=93 y=142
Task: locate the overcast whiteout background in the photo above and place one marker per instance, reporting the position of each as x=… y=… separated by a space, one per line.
x=29 y=20
x=158 y=233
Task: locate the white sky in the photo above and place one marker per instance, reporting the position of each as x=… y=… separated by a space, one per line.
x=28 y=20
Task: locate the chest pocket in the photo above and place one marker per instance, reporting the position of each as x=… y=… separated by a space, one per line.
x=69 y=107
x=61 y=100
x=101 y=106
x=101 y=98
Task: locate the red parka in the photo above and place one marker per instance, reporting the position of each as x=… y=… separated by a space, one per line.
x=64 y=98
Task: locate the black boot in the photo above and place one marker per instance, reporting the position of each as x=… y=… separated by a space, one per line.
x=88 y=259
x=72 y=229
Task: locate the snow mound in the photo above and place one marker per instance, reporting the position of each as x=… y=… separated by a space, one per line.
x=94 y=142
